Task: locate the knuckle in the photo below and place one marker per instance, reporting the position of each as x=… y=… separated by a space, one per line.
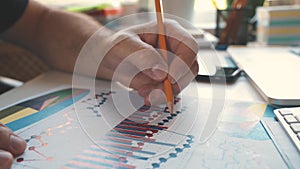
x=190 y=42
x=171 y=23
x=120 y=36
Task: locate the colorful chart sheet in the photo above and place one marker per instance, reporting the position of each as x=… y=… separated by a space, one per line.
x=80 y=129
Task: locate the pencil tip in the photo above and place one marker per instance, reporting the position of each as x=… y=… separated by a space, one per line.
x=170 y=107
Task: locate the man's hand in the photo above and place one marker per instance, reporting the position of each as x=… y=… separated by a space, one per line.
x=58 y=36
x=135 y=60
x=11 y=146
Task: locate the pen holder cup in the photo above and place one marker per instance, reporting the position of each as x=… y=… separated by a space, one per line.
x=232 y=26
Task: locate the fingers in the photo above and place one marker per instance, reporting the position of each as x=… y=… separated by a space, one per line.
x=11 y=142
x=181 y=44
x=185 y=49
x=6 y=159
x=137 y=81
x=179 y=38
x=154 y=93
x=137 y=64
x=186 y=79
x=130 y=48
x=179 y=68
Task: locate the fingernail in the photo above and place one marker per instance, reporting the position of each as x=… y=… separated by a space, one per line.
x=16 y=143
x=5 y=155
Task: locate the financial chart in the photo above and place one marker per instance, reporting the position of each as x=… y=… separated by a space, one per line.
x=77 y=128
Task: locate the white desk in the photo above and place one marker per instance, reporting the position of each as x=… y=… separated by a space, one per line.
x=241 y=91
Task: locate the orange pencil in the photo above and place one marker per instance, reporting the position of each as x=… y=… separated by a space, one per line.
x=163 y=46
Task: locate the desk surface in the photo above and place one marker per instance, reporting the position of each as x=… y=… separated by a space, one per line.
x=241 y=90
x=208 y=152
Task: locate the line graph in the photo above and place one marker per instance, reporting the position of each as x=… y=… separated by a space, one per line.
x=100 y=99
x=25 y=116
x=150 y=137
x=37 y=144
x=142 y=139
x=130 y=141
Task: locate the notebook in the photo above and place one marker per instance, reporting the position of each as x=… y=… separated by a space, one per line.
x=274 y=71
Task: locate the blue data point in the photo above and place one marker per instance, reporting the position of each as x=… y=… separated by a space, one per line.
x=190 y=136
x=155 y=165
x=162 y=160
x=186 y=146
x=178 y=150
x=189 y=141
x=173 y=155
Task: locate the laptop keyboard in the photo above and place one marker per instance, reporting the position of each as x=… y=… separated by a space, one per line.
x=289 y=118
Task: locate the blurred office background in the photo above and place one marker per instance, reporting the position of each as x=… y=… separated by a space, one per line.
x=20 y=64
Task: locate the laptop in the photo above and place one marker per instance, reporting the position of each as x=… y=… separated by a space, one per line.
x=274 y=71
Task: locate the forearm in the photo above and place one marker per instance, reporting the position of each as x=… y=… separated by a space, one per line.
x=56 y=36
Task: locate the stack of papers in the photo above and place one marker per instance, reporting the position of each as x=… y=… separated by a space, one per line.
x=278 y=25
